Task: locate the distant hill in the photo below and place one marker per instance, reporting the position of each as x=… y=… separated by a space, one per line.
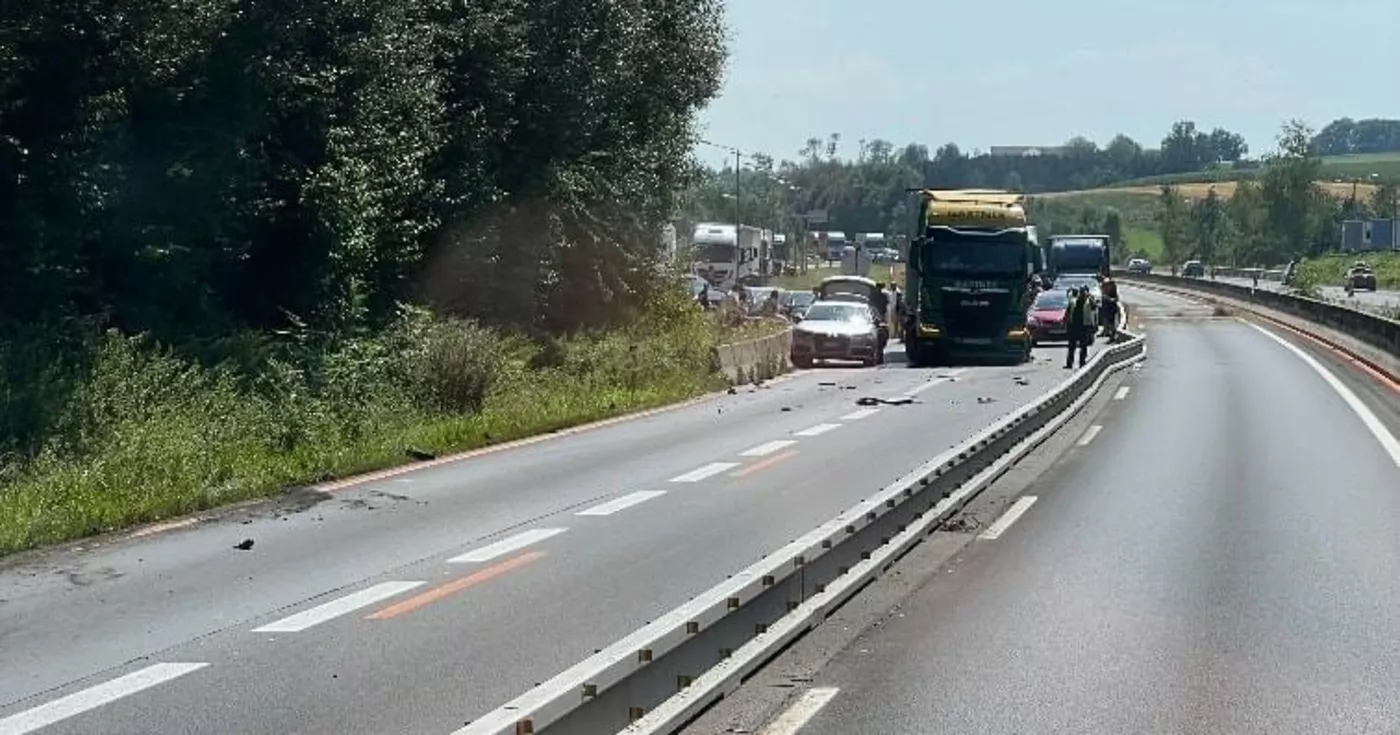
x=1347 y=168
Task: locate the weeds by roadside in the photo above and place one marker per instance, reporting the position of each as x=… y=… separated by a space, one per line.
x=131 y=432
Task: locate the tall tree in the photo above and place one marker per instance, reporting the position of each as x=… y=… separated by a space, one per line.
x=1174 y=223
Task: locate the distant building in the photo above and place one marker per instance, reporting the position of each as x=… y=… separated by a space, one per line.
x=1026 y=150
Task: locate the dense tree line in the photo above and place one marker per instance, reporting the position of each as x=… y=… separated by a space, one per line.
x=1344 y=136
x=195 y=167
x=866 y=191
x=1280 y=215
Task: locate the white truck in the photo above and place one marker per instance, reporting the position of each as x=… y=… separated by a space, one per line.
x=726 y=255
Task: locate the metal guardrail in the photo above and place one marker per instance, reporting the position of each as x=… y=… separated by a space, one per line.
x=659 y=677
x=1372 y=330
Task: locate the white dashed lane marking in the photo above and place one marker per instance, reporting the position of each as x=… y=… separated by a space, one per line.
x=335 y=608
x=91 y=698
x=764 y=450
x=506 y=546
x=709 y=470
x=622 y=503
x=818 y=430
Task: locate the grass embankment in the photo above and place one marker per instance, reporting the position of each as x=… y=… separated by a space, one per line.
x=131 y=432
x=1327 y=270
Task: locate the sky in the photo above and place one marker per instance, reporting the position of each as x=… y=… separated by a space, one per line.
x=1038 y=72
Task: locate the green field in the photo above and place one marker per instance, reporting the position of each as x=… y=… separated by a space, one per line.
x=1358 y=166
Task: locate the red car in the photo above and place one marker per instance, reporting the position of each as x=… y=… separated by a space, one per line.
x=1046 y=317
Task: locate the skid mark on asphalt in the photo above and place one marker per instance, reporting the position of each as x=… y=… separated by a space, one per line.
x=801 y=712
x=765 y=464
x=764 y=450
x=622 y=503
x=335 y=608
x=93 y=697
x=456 y=586
x=506 y=546
x=709 y=470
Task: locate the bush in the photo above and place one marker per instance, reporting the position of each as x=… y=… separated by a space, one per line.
x=141 y=432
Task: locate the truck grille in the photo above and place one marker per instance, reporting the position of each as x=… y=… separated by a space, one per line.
x=973 y=313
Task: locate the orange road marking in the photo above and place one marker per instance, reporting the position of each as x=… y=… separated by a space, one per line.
x=457 y=585
x=765 y=464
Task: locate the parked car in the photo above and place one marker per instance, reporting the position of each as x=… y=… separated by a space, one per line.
x=1360 y=277
x=1046 y=317
x=859 y=289
x=837 y=330
x=1139 y=265
x=1193 y=269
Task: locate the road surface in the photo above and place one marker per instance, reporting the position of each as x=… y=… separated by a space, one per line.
x=414 y=603
x=1375 y=301
x=1219 y=557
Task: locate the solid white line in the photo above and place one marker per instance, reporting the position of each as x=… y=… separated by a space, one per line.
x=709 y=470
x=1089 y=435
x=863 y=413
x=818 y=430
x=335 y=608
x=1011 y=515
x=79 y=702
x=801 y=712
x=506 y=545
x=1387 y=440
x=1122 y=393
x=622 y=503
x=764 y=450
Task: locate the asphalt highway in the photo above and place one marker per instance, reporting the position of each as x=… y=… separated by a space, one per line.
x=414 y=603
x=1216 y=554
x=1382 y=301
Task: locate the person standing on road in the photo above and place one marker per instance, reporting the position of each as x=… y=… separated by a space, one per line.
x=1078 y=326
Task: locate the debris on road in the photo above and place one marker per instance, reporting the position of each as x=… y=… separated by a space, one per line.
x=244 y=545
x=872 y=401
x=1021 y=380
x=985 y=399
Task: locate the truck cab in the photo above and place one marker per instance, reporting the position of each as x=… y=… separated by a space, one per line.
x=969 y=278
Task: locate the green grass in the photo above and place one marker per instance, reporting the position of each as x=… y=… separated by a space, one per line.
x=1356 y=166
x=1144 y=242
x=136 y=433
x=1328 y=269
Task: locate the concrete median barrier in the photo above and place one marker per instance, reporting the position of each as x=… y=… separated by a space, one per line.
x=762 y=358
x=659 y=677
x=1370 y=338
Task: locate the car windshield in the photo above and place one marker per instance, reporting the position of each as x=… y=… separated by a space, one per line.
x=1052 y=300
x=716 y=253
x=838 y=313
x=799 y=298
x=979 y=255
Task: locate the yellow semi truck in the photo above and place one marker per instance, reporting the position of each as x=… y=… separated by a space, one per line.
x=969 y=278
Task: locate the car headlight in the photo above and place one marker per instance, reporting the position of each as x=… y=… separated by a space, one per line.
x=1032 y=321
